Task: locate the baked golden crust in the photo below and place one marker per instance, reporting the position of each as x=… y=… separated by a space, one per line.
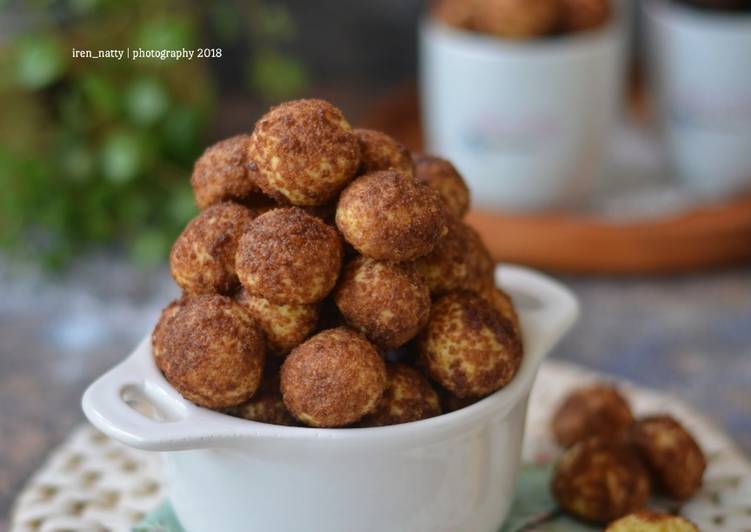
x=516 y=19
x=333 y=379
x=598 y=481
x=388 y=302
x=459 y=261
x=675 y=460
x=503 y=303
x=222 y=173
x=266 y=405
x=304 y=152
x=202 y=260
x=441 y=176
x=648 y=521
x=378 y=151
x=289 y=257
x=210 y=350
x=285 y=325
x=389 y=216
x=468 y=347
x=582 y=15
x=596 y=410
x=408 y=397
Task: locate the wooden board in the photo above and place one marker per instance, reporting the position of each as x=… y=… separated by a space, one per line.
x=707 y=237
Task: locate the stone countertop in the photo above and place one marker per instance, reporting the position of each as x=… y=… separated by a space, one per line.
x=689 y=336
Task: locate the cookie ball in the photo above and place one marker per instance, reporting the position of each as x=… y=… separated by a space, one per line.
x=457 y=13
x=516 y=19
x=452 y=403
x=468 y=347
x=388 y=302
x=592 y=411
x=222 y=173
x=390 y=216
x=648 y=521
x=599 y=481
x=440 y=175
x=210 y=350
x=408 y=397
x=583 y=15
x=674 y=458
x=203 y=256
x=503 y=303
x=304 y=152
x=289 y=257
x=333 y=379
x=459 y=261
x=266 y=405
x=378 y=151
x=285 y=325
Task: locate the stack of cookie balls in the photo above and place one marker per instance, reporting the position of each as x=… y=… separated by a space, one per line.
x=613 y=462
x=524 y=19
x=330 y=281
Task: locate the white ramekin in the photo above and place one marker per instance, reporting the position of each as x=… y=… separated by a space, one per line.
x=527 y=123
x=454 y=472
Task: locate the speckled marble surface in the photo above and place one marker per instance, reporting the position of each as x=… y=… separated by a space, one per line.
x=690 y=336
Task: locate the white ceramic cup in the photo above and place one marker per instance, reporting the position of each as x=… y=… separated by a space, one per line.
x=527 y=123
x=701 y=67
x=454 y=472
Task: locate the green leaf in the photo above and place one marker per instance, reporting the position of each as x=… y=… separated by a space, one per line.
x=40 y=61
x=122 y=157
x=146 y=101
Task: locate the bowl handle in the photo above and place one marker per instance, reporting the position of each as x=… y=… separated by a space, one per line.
x=546 y=308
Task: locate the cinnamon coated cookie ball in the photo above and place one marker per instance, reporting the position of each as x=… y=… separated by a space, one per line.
x=266 y=405
x=516 y=19
x=390 y=216
x=582 y=15
x=304 y=152
x=222 y=173
x=388 y=302
x=378 y=151
x=210 y=350
x=440 y=175
x=468 y=347
x=503 y=303
x=333 y=379
x=648 y=521
x=285 y=325
x=289 y=257
x=408 y=397
x=674 y=458
x=203 y=256
x=599 y=481
x=457 y=13
x=593 y=411
x=458 y=261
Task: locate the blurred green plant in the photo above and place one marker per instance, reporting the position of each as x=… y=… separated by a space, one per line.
x=98 y=151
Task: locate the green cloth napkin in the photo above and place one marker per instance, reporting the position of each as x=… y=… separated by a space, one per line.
x=533 y=508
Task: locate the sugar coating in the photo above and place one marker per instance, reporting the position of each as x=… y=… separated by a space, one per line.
x=266 y=405
x=289 y=257
x=304 y=152
x=440 y=175
x=378 y=151
x=210 y=350
x=597 y=410
x=598 y=481
x=333 y=379
x=468 y=347
x=408 y=397
x=222 y=173
x=203 y=256
x=390 y=216
x=388 y=302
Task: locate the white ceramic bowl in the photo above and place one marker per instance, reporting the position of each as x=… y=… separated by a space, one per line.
x=527 y=123
x=454 y=472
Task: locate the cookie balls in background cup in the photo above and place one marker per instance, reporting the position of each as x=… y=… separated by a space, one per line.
x=210 y=349
x=333 y=379
x=202 y=260
x=701 y=73
x=303 y=152
x=289 y=257
x=527 y=122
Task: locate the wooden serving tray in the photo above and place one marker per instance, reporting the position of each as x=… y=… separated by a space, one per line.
x=706 y=237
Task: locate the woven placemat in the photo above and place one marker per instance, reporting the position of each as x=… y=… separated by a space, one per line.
x=92 y=482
